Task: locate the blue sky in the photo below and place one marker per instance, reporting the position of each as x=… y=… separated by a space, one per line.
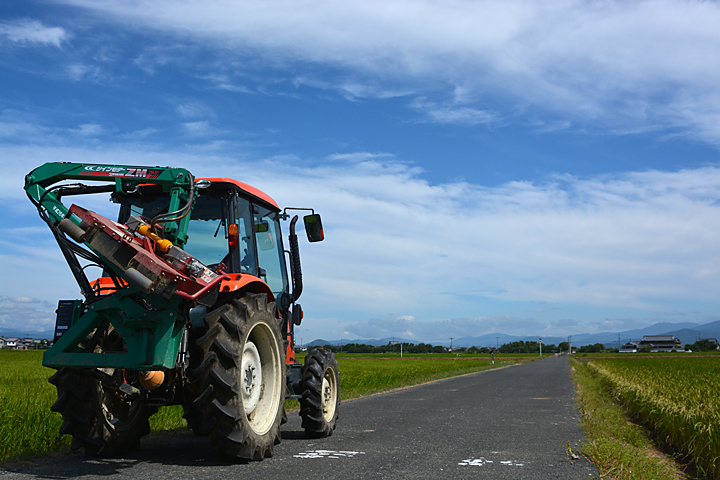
x=539 y=168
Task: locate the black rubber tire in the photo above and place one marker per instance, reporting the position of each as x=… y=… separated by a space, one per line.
x=320 y=390
x=103 y=421
x=240 y=379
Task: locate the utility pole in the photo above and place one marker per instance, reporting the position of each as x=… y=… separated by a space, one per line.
x=541 y=348
x=497 y=343
x=569 y=344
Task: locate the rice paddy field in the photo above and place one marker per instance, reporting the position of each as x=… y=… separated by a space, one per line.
x=678 y=398
x=28 y=427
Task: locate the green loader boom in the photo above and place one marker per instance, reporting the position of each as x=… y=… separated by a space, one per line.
x=146 y=313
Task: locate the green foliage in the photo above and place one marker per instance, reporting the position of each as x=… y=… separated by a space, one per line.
x=677 y=397
x=527 y=347
x=596 y=348
x=702 y=346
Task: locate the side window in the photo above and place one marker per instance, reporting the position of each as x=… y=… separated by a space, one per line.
x=269 y=249
x=245 y=246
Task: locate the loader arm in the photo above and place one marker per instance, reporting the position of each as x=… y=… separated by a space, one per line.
x=175 y=181
x=157 y=282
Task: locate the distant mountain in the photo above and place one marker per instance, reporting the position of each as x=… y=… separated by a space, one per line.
x=685 y=331
x=374 y=342
x=12 y=333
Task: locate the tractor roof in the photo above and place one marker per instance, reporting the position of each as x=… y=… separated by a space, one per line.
x=250 y=190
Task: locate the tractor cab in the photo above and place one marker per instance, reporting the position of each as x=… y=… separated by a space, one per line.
x=232 y=226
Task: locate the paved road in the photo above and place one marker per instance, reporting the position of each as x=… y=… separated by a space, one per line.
x=511 y=423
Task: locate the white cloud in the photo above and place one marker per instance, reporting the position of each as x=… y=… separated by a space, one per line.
x=617 y=65
x=201 y=128
x=193 y=109
x=454 y=114
x=17 y=129
x=78 y=72
x=88 y=130
x=26 y=31
x=637 y=244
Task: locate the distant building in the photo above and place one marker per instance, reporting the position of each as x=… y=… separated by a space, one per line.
x=712 y=342
x=16 y=343
x=660 y=343
x=630 y=347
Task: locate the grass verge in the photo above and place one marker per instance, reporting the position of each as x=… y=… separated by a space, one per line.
x=618 y=447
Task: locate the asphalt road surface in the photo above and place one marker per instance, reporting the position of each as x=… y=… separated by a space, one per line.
x=511 y=423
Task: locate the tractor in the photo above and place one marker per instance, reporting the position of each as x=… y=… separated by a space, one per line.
x=195 y=306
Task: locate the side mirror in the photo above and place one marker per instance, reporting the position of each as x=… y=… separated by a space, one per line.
x=313 y=228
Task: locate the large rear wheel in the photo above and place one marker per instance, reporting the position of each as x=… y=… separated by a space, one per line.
x=320 y=390
x=102 y=420
x=240 y=378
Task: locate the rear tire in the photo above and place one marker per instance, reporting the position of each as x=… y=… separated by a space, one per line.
x=240 y=379
x=320 y=390
x=103 y=421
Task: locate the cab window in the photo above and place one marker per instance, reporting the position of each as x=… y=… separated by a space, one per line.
x=271 y=259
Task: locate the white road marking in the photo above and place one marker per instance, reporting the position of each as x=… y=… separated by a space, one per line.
x=475 y=462
x=479 y=462
x=328 y=454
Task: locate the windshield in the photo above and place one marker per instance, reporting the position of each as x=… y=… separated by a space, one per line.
x=208 y=228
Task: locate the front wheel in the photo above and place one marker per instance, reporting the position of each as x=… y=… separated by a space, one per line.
x=320 y=390
x=240 y=379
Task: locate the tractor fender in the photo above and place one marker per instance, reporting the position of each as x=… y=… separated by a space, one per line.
x=246 y=282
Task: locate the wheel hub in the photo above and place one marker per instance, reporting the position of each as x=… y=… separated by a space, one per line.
x=327 y=393
x=251 y=377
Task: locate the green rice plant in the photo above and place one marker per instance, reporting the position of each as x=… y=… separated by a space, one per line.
x=619 y=448
x=26 y=422
x=676 y=397
x=365 y=376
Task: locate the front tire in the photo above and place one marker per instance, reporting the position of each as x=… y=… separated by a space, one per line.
x=320 y=390
x=241 y=378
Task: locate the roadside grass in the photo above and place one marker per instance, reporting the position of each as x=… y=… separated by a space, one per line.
x=29 y=429
x=675 y=398
x=618 y=447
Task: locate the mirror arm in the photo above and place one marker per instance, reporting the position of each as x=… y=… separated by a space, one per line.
x=295 y=270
